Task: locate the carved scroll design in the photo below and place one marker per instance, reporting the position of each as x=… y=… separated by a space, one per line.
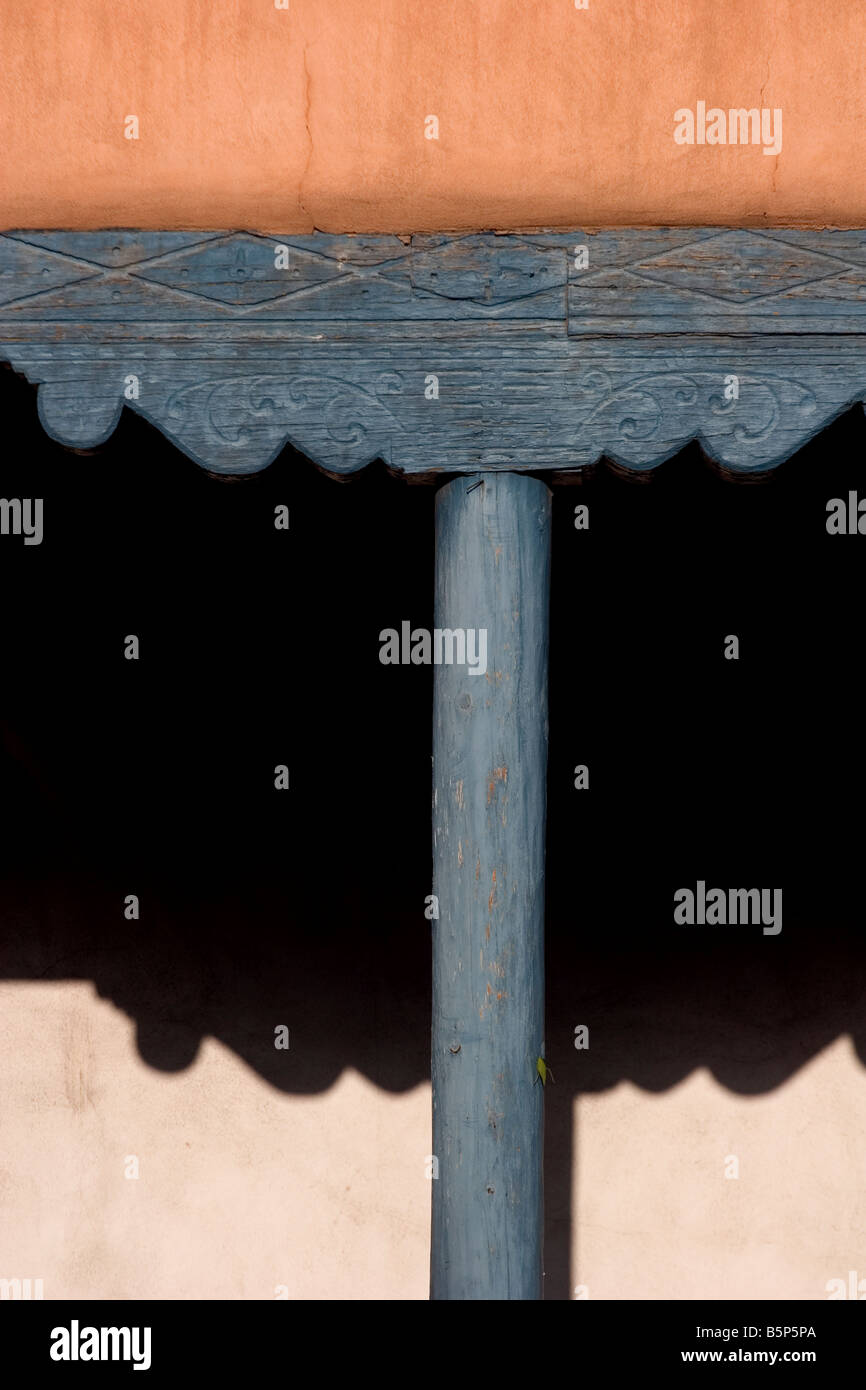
x=644 y=409
x=230 y=407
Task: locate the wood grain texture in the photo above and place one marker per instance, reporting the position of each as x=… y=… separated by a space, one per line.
x=489 y=801
x=238 y=348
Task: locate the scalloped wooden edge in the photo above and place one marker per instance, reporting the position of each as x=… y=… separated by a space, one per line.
x=444 y=354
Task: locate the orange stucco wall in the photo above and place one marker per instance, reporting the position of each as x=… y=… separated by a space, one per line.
x=314 y=115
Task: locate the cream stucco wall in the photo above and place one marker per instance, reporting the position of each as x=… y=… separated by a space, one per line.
x=247 y=1193
x=242 y=1190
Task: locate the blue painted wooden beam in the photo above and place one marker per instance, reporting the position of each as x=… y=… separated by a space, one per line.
x=489 y=797
x=442 y=354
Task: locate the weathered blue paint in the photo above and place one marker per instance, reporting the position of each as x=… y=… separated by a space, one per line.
x=489 y=795
x=542 y=362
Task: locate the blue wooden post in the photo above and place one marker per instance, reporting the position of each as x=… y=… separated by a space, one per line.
x=489 y=794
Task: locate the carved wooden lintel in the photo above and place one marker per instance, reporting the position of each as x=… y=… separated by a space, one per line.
x=442 y=354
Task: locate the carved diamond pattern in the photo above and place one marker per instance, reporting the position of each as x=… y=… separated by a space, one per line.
x=240 y=270
x=736 y=266
x=25 y=270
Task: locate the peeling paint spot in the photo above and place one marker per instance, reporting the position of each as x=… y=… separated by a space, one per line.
x=492 y=893
x=460 y=853
x=460 y=795
x=499 y=774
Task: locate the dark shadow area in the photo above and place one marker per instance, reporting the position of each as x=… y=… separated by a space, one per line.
x=740 y=773
x=306 y=908
x=155 y=777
